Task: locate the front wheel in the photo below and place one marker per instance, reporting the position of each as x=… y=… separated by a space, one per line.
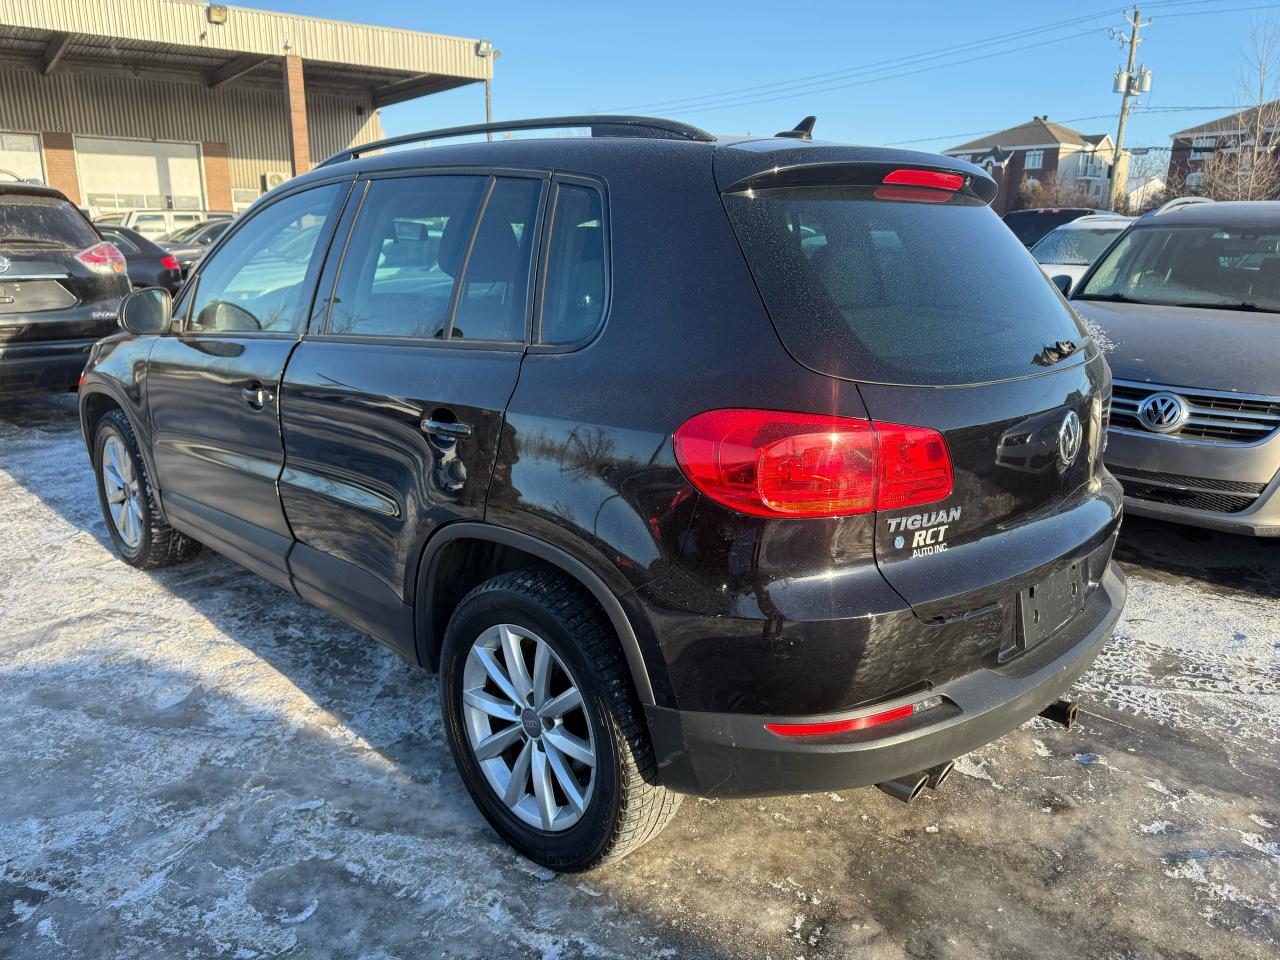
x=543 y=723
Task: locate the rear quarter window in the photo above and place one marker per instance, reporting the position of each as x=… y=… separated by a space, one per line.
x=894 y=291
x=43 y=221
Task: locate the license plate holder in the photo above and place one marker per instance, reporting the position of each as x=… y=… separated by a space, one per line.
x=1045 y=607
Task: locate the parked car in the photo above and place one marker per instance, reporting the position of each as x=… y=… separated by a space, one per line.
x=1030 y=225
x=60 y=285
x=1189 y=295
x=189 y=244
x=677 y=498
x=155 y=224
x=1066 y=251
x=147 y=264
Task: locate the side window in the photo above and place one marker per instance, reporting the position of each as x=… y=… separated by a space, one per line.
x=256 y=281
x=573 y=298
x=495 y=283
x=404 y=255
x=123 y=243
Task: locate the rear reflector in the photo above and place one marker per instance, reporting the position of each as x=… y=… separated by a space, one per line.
x=925 y=178
x=771 y=463
x=103 y=258
x=852 y=723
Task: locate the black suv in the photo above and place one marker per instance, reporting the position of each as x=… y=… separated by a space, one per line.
x=695 y=465
x=60 y=285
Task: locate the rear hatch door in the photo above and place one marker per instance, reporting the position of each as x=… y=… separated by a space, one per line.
x=926 y=300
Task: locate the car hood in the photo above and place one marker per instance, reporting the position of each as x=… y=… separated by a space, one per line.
x=1187 y=346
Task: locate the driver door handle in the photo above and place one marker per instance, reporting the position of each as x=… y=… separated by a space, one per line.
x=256 y=396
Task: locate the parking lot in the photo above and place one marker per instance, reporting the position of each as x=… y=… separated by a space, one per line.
x=195 y=763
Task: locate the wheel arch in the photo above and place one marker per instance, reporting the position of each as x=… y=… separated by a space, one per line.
x=466 y=547
x=98 y=399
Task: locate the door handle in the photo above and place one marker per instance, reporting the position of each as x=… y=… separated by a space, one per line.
x=443 y=428
x=256 y=396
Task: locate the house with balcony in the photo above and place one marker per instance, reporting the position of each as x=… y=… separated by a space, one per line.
x=1240 y=135
x=1035 y=151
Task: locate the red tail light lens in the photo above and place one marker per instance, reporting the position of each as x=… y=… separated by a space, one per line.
x=170 y=263
x=925 y=178
x=103 y=258
x=772 y=463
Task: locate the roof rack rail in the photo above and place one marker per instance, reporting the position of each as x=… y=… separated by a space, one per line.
x=602 y=125
x=1177 y=202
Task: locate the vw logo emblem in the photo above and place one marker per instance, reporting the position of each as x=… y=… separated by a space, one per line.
x=1070 y=436
x=1163 y=412
x=5 y=264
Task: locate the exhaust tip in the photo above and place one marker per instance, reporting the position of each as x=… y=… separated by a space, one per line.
x=905 y=788
x=937 y=776
x=1061 y=712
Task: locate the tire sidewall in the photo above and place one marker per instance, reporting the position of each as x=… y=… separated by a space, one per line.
x=107 y=427
x=581 y=844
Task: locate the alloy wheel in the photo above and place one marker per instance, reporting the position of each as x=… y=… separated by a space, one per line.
x=123 y=488
x=527 y=727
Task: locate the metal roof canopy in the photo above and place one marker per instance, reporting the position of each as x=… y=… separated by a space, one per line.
x=179 y=37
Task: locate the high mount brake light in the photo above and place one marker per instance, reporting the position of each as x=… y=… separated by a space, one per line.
x=925 y=178
x=103 y=258
x=827 y=727
x=771 y=463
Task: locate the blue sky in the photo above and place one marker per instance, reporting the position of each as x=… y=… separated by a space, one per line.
x=561 y=58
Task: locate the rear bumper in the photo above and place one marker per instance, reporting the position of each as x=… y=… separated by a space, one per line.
x=716 y=754
x=42 y=367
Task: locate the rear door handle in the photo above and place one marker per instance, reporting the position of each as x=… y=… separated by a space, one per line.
x=443 y=428
x=256 y=396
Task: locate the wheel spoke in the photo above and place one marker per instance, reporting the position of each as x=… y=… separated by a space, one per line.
x=514 y=657
x=495 y=743
x=541 y=674
x=561 y=704
x=496 y=673
x=542 y=789
x=570 y=745
x=516 y=786
x=493 y=706
x=115 y=495
x=564 y=777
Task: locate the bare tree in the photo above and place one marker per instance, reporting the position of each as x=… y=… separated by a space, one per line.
x=1052 y=192
x=1245 y=166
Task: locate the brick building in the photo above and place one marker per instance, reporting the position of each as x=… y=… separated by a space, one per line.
x=1235 y=135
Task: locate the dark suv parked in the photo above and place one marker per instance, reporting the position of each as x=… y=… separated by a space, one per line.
x=60 y=284
x=696 y=465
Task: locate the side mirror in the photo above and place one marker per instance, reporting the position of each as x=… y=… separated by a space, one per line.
x=1062 y=282
x=147 y=312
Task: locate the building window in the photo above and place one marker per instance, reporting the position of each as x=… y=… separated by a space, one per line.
x=1202 y=147
x=1193 y=181
x=1034 y=160
x=966 y=157
x=20 y=154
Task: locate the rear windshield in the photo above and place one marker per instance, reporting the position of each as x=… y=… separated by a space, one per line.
x=1226 y=268
x=43 y=222
x=1030 y=225
x=894 y=291
x=1074 y=245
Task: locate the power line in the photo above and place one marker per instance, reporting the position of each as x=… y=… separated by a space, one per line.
x=800 y=85
x=1096 y=116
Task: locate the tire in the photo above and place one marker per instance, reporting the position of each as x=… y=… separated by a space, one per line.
x=141 y=538
x=621 y=805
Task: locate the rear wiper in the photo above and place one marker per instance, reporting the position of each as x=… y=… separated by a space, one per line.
x=1055 y=353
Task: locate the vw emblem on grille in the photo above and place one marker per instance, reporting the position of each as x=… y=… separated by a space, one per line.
x=5 y=264
x=1163 y=412
x=1070 y=436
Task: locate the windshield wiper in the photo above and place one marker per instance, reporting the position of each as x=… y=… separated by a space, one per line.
x=1113 y=297
x=1245 y=305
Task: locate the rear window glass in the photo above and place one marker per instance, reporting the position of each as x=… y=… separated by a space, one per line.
x=43 y=221
x=894 y=291
x=1076 y=246
x=1030 y=225
x=1224 y=268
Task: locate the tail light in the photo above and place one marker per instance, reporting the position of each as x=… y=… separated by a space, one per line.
x=103 y=258
x=771 y=463
x=170 y=263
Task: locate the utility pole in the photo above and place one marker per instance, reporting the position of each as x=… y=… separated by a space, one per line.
x=1131 y=85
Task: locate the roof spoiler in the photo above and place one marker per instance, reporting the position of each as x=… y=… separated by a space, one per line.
x=864 y=173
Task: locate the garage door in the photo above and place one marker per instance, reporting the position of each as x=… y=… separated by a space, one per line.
x=119 y=175
x=20 y=155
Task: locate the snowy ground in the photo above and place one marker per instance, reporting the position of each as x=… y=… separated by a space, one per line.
x=197 y=764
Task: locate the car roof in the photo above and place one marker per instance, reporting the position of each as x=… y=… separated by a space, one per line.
x=22 y=188
x=1218 y=213
x=1100 y=220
